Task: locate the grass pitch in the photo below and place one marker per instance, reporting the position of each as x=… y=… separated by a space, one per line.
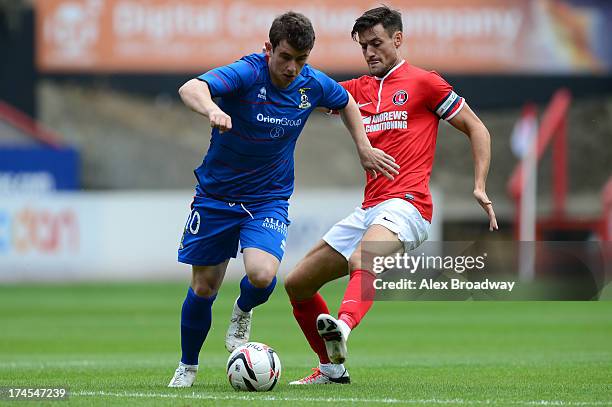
x=119 y=345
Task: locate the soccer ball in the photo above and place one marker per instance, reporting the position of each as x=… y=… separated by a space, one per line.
x=253 y=367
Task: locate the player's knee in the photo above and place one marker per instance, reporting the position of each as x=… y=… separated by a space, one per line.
x=292 y=285
x=355 y=261
x=262 y=276
x=299 y=288
x=202 y=289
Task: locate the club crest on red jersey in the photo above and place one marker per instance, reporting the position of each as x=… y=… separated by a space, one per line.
x=400 y=97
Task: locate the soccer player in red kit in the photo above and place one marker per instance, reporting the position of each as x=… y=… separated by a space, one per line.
x=401 y=106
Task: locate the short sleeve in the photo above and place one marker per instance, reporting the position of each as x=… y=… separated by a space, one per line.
x=334 y=96
x=349 y=86
x=442 y=99
x=230 y=78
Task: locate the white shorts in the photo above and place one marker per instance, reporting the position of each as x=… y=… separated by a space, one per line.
x=397 y=215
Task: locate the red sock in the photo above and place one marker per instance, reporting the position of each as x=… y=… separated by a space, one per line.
x=358 y=297
x=306 y=313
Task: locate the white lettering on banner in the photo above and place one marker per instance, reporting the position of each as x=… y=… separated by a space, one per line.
x=247 y=19
x=163 y=22
x=332 y=21
x=26 y=182
x=448 y=24
x=167 y=20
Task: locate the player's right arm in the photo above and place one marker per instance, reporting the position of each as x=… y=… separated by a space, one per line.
x=230 y=79
x=195 y=93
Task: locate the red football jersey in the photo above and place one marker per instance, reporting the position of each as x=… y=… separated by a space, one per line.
x=400 y=114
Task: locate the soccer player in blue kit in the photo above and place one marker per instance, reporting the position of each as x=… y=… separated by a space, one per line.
x=246 y=178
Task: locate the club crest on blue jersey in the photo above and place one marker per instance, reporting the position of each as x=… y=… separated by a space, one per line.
x=262 y=93
x=304 y=102
x=400 y=97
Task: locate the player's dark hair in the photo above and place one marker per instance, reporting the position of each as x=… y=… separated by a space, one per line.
x=391 y=21
x=295 y=28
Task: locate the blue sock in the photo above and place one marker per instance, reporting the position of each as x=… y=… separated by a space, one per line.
x=251 y=296
x=196 y=317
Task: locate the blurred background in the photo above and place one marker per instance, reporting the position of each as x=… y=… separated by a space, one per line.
x=97 y=151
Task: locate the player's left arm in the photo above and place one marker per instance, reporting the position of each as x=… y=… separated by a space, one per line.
x=468 y=122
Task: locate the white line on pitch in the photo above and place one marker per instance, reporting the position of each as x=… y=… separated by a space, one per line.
x=263 y=397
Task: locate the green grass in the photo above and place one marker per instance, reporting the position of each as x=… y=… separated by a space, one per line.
x=119 y=344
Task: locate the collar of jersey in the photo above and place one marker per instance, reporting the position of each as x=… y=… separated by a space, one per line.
x=391 y=70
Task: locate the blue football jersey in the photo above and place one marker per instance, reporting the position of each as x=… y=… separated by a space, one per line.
x=254 y=160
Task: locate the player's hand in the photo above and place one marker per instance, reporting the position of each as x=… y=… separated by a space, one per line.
x=377 y=161
x=220 y=120
x=487 y=205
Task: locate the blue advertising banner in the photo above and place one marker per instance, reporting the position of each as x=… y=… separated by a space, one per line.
x=38 y=169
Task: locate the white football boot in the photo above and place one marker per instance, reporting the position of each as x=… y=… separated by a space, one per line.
x=239 y=329
x=319 y=377
x=335 y=334
x=184 y=376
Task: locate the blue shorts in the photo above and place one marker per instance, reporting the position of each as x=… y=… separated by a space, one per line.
x=214 y=228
